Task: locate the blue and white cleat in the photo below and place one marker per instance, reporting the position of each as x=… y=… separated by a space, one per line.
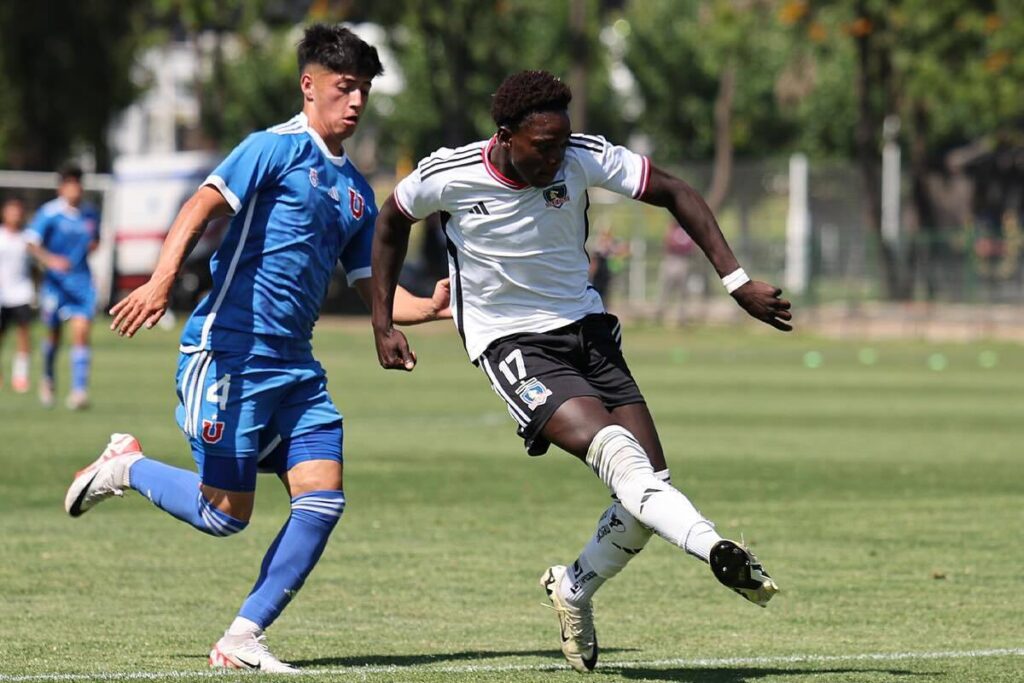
x=737 y=568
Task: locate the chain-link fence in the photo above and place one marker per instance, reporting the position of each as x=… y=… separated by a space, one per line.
x=977 y=262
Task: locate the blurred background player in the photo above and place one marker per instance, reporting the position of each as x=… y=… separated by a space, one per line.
x=674 y=275
x=16 y=288
x=63 y=233
x=516 y=218
x=607 y=259
x=252 y=396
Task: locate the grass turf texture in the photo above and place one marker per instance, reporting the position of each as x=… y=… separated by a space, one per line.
x=885 y=497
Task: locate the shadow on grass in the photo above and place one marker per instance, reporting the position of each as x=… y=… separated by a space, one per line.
x=414 y=660
x=743 y=675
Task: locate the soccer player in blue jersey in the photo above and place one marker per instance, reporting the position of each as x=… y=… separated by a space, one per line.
x=252 y=397
x=63 y=233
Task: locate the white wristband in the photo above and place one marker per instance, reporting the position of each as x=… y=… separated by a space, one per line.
x=735 y=280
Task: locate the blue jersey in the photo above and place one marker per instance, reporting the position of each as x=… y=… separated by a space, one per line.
x=69 y=232
x=298 y=209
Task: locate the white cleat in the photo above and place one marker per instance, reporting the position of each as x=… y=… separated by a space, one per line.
x=248 y=651
x=737 y=568
x=46 y=393
x=77 y=400
x=576 y=624
x=106 y=477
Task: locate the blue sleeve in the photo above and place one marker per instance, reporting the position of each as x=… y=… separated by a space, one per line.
x=92 y=216
x=355 y=256
x=38 y=230
x=253 y=165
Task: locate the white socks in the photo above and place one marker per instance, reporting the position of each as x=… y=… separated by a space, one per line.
x=621 y=463
x=617 y=540
x=242 y=626
x=20 y=367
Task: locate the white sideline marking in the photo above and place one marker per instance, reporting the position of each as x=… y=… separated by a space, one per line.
x=502 y=668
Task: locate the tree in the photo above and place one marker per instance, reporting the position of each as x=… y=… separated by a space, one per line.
x=706 y=70
x=455 y=53
x=951 y=72
x=66 y=68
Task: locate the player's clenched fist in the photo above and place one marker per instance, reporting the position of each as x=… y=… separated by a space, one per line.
x=393 y=350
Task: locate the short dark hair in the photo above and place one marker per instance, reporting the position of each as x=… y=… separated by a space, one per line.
x=13 y=199
x=525 y=93
x=336 y=48
x=70 y=171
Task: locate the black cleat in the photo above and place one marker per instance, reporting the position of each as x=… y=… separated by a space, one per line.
x=737 y=568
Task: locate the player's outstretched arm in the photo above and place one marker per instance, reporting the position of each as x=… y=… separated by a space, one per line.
x=390 y=243
x=147 y=304
x=410 y=309
x=760 y=299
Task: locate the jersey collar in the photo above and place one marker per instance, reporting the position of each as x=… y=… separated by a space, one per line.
x=336 y=160
x=493 y=170
x=65 y=208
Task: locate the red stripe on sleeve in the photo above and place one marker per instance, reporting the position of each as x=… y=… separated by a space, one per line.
x=645 y=177
x=405 y=211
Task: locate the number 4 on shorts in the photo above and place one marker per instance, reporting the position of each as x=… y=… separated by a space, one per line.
x=218 y=393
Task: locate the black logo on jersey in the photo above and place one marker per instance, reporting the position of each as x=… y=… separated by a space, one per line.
x=556 y=195
x=480 y=209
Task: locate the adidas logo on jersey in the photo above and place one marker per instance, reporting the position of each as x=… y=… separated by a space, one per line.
x=480 y=209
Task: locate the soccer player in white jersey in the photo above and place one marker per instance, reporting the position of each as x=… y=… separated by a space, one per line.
x=514 y=209
x=252 y=397
x=16 y=288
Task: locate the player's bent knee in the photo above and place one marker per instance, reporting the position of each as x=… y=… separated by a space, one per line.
x=234 y=503
x=216 y=522
x=618 y=458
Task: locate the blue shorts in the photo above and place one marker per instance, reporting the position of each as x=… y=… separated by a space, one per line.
x=242 y=413
x=59 y=305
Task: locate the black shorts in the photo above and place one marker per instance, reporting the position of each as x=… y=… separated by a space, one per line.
x=14 y=315
x=535 y=373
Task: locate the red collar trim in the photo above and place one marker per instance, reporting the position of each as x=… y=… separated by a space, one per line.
x=494 y=172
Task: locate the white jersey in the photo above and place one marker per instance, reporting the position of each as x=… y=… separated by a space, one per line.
x=16 y=288
x=515 y=252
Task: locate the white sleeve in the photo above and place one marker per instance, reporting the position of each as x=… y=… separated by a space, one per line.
x=610 y=166
x=419 y=194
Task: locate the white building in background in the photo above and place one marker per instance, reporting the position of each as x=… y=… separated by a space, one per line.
x=166 y=116
x=156 y=123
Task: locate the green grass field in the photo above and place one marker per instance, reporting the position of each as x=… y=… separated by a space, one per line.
x=887 y=498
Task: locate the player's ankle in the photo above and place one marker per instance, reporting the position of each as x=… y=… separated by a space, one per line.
x=242 y=626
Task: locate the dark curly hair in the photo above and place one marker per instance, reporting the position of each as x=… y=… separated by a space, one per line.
x=336 y=48
x=525 y=93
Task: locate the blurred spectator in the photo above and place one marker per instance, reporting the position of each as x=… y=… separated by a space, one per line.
x=674 y=274
x=607 y=258
x=16 y=287
x=61 y=236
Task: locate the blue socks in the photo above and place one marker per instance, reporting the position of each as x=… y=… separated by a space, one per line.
x=176 y=491
x=81 y=357
x=290 y=558
x=81 y=360
x=293 y=554
x=49 y=357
